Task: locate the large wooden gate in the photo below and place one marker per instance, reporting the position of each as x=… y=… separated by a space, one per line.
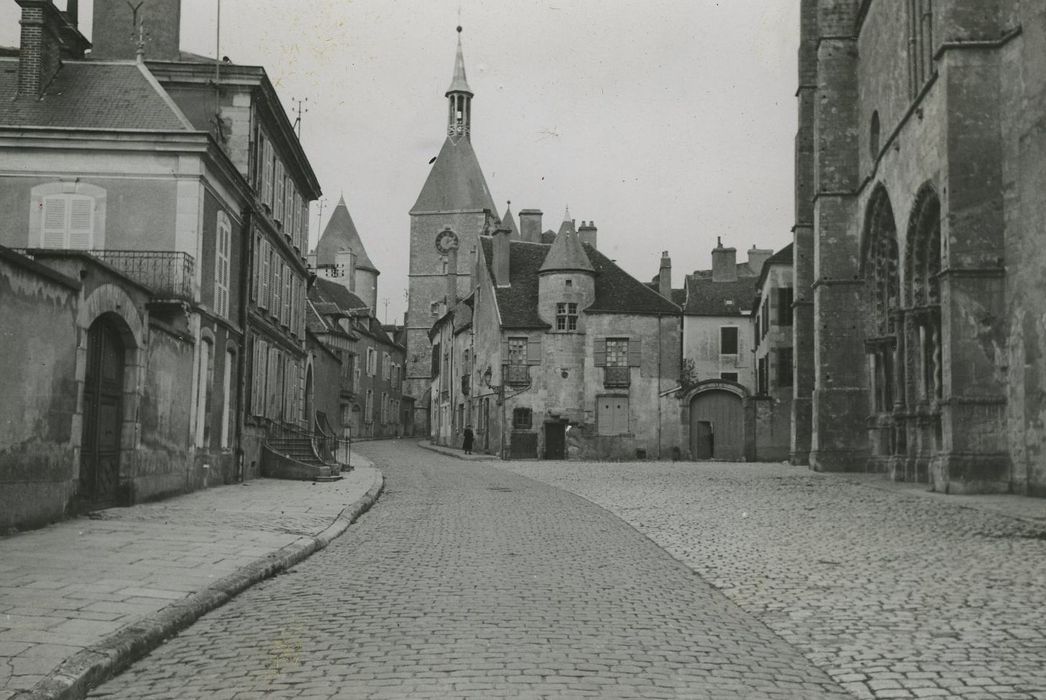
x=717 y=426
x=103 y=414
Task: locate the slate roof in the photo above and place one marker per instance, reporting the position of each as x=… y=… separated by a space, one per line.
x=616 y=290
x=91 y=95
x=566 y=253
x=459 y=83
x=678 y=295
x=326 y=294
x=705 y=297
x=455 y=183
x=509 y=222
x=340 y=234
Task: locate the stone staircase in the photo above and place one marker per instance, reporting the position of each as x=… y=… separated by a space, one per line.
x=294 y=457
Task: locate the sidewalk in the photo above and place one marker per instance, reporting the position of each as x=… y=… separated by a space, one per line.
x=456 y=452
x=81 y=599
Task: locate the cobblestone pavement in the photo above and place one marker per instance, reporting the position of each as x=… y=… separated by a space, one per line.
x=67 y=587
x=894 y=594
x=468 y=581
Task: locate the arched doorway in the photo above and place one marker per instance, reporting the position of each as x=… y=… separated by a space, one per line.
x=717 y=424
x=103 y=414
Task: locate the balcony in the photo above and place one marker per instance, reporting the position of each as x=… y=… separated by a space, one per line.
x=516 y=375
x=616 y=377
x=169 y=275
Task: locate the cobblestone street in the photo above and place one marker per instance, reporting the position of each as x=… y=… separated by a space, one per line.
x=895 y=594
x=466 y=580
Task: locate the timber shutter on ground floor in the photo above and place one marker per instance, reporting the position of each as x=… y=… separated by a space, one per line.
x=612 y=415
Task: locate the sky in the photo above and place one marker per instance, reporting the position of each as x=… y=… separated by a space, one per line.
x=670 y=123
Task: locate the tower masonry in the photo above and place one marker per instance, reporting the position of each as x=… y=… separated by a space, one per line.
x=455 y=197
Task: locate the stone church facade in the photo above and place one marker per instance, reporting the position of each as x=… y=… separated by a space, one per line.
x=918 y=328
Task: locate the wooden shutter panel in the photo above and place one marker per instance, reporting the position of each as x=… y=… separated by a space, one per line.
x=53 y=228
x=81 y=223
x=775 y=303
x=635 y=352
x=504 y=351
x=599 y=352
x=534 y=351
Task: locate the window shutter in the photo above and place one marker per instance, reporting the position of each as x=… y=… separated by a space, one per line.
x=53 y=232
x=263 y=295
x=504 y=351
x=81 y=223
x=599 y=352
x=534 y=351
x=635 y=352
x=266 y=172
x=775 y=305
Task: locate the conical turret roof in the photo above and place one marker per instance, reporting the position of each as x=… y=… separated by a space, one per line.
x=510 y=223
x=567 y=224
x=566 y=254
x=459 y=83
x=341 y=234
x=455 y=183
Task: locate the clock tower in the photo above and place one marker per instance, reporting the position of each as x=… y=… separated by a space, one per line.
x=453 y=210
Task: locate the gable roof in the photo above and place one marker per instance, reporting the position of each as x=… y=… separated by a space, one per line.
x=333 y=299
x=340 y=234
x=705 y=297
x=455 y=183
x=616 y=290
x=331 y=292
x=121 y=95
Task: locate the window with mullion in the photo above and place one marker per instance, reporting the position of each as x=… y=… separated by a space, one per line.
x=566 y=316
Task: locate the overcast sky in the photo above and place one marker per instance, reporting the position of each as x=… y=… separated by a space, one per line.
x=668 y=122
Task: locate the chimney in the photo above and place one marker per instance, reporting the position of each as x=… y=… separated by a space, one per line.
x=452 y=277
x=46 y=38
x=587 y=233
x=757 y=257
x=530 y=225
x=115 y=33
x=502 y=246
x=724 y=263
x=664 y=276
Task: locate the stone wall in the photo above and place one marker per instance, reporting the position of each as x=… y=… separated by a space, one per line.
x=38 y=441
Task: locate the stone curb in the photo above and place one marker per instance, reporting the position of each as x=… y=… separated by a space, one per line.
x=89 y=667
x=447 y=452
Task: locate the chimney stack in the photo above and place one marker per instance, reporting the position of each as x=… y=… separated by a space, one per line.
x=757 y=257
x=115 y=33
x=46 y=38
x=664 y=276
x=587 y=233
x=530 y=225
x=724 y=263
x=502 y=246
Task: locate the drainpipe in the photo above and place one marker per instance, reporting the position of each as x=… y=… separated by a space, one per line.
x=241 y=380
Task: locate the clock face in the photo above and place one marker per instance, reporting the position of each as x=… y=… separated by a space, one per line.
x=446 y=241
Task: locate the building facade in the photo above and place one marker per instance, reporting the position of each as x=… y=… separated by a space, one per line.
x=919 y=207
x=557 y=353
x=772 y=320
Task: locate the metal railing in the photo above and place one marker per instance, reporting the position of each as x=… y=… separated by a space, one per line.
x=169 y=274
x=329 y=447
x=616 y=376
x=516 y=374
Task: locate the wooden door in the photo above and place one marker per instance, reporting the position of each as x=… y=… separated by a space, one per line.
x=103 y=415
x=718 y=418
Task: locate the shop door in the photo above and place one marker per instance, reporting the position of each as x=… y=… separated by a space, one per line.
x=555 y=441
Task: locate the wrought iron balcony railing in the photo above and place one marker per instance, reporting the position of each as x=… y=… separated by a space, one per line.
x=168 y=274
x=616 y=376
x=516 y=375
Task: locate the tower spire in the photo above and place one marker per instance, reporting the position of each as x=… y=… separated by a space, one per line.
x=459 y=98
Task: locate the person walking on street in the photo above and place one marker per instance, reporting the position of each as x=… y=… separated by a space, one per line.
x=466 y=440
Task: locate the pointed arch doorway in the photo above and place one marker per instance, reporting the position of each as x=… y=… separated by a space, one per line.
x=102 y=415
